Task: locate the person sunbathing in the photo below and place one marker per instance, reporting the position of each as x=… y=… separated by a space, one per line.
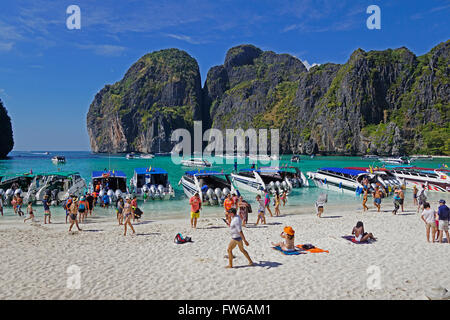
x=289 y=235
x=360 y=235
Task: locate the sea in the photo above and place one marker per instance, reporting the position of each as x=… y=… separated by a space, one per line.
x=300 y=201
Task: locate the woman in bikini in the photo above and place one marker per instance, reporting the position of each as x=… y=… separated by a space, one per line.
x=128 y=213
x=288 y=235
x=360 y=235
x=365 y=196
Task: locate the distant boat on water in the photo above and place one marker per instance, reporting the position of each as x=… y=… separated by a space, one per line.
x=59 y=159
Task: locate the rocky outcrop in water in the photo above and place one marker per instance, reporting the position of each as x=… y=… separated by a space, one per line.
x=383 y=102
x=6 y=133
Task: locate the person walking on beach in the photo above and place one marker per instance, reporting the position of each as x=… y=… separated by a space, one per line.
x=90 y=201
x=288 y=235
x=196 y=205
x=396 y=201
x=360 y=235
x=67 y=205
x=73 y=210
x=284 y=197
x=1 y=204
x=134 y=207
x=365 y=198
x=444 y=217
x=237 y=239
x=228 y=205
x=429 y=217
x=19 y=201
x=415 y=190
x=261 y=210
x=267 y=202
x=128 y=213
x=377 y=198
x=244 y=208
x=47 y=213
x=14 y=203
x=30 y=212
x=105 y=200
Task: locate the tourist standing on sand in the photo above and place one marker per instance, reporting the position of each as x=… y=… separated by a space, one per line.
x=228 y=205
x=82 y=209
x=396 y=201
x=415 y=190
x=134 y=206
x=128 y=213
x=422 y=197
x=73 y=209
x=47 y=213
x=444 y=217
x=244 y=208
x=429 y=217
x=1 y=204
x=402 y=197
x=284 y=197
x=90 y=201
x=365 y=198
x=277 y=204
x=267 y=201
x=196 y=205
x=237 y=239
x=261 y=210
x=119 y=210
x=377 y=198
x=14 y=203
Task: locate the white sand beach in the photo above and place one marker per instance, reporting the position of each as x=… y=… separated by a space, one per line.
x=149 y=265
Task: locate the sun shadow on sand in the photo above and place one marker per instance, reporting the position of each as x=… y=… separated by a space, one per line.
x=274 y=223
x=148 y=234
x=143 y=222
x=93 y=230
x=212 y=227
x=256 y=227
x=331 y=217
x=267 y=264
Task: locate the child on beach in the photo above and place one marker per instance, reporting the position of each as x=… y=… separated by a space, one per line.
x=196 y=204
x=46 y=206
x=228 y=205
x=30 y=212
x=360 y=235
x=289 y=235
x=429 y=217
x=261 y=210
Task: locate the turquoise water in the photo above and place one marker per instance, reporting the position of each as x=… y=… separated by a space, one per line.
x=86 y=162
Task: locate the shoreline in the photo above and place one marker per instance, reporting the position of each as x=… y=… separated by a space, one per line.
x=150 y=266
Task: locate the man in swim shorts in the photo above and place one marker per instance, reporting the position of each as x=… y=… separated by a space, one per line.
x=196 y=204
x=444 y=217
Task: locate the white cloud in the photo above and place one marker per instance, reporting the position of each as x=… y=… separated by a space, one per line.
x=309 y=66
x=6 y=46
x=104 y=49
x=184 y=38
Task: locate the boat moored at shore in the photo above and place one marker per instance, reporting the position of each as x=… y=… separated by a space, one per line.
x=152 y=183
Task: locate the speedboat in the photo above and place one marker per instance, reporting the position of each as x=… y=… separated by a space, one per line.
x=352 y=179
x=263 y=157
x=273 y=179
x=16 y=184
x=432 y=179
x=110 y=182
x=58 y=186
x=58 y=159
x=212 y=186
x=151 y=181
x=131 y=156
x=295 y=158
x=421 y=158
x=147 y=156
x=195 y=162
x=398 y=161
x=369 y=157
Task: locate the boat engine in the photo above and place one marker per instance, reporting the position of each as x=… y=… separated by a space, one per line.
x=153 y=191
x=218 y=194
x=278 y=186
x=111 y=196
x=101 y=193
x=161 y=191
x=145 y=188
x=225 y=192
x=284 y=186
x=118 y=194
x=18 y=192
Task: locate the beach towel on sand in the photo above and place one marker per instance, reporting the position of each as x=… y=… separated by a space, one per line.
x=288 y=253
x=352 y=239
x=307 y=248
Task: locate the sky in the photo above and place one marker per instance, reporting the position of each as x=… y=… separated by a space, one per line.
x=50 y=74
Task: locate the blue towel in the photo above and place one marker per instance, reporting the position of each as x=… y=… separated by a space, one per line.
x=288 y=253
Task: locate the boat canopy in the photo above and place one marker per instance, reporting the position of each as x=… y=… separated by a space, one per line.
x=352 y=172
x=150 y=171
x=108 y=174
x=268 y=169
